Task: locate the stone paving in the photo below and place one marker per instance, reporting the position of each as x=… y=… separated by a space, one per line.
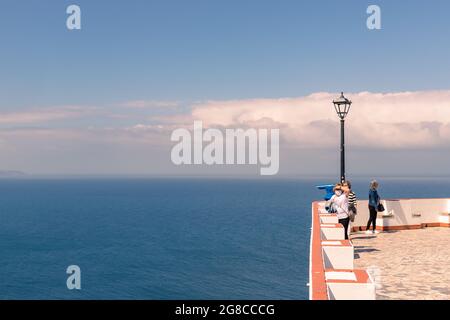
x=407 y=264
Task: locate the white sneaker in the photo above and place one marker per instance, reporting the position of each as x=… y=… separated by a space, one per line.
x=376 y=232
x=368 y=232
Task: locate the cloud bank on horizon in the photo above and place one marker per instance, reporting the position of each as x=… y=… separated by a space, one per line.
x=75 y=134
x=376 y=120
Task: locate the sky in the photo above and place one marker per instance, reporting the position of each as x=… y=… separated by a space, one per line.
x=105 y=99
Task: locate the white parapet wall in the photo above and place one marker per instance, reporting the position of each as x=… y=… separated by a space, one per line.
x=332 y=274
x=328 y=218
x=350 y=285
x=332 y=231
x=444 y=218
x=338 y=254
x=406 y=214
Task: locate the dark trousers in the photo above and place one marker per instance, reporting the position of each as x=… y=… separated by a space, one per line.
x=345 y=222
x=372 y=218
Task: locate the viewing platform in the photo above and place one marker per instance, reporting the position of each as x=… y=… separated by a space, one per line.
x=410 y=259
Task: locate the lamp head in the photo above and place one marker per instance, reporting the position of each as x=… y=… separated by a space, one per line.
x=342 y=106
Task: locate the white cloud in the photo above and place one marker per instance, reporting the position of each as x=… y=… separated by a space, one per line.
x=141 y=143
x=44 y=115
x=150 y=104
x=376 y=120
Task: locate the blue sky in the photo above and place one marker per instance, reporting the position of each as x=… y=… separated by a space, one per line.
x=199 y=50
x=140 y=64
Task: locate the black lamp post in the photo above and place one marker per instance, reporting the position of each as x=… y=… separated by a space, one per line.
x=342 y=107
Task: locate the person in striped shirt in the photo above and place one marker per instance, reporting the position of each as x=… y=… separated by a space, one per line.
x=351 y=196
x=352 y=201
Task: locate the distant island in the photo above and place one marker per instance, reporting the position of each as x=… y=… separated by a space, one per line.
x=12 y=174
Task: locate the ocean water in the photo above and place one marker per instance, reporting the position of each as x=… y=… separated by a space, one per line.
x=165 y=238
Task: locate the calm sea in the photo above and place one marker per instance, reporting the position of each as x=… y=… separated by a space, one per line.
x=165 y=238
